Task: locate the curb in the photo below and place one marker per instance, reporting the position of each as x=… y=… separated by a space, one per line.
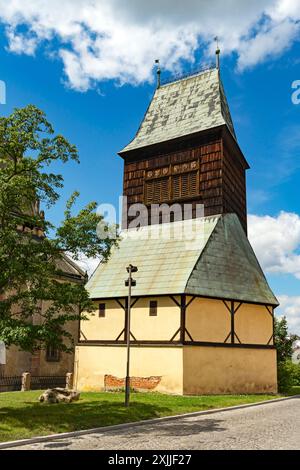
x=51 y=437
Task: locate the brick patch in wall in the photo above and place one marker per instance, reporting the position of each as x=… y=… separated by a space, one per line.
x=137 y=383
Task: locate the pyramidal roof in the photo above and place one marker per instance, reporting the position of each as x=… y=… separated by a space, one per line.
x=184 y=107
x=208 y=256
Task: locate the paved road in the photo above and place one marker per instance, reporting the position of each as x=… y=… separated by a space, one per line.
x=270 y=426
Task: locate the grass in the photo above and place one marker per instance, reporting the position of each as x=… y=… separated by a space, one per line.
x=22 y=416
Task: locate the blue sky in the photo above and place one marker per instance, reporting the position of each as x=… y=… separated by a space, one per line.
x=99 y=108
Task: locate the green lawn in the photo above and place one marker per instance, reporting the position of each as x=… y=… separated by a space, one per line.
x=22 y=416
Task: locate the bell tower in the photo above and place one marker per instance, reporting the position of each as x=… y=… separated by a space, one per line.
x=186 y=151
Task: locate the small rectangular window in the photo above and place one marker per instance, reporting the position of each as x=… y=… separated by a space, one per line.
x=101 y=310
x=153 y=308
x=52 y=354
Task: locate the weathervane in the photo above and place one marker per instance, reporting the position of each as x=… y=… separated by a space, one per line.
x=158 y=72
x=217 y=53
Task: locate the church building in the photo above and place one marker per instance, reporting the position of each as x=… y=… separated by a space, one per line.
x=202 y=312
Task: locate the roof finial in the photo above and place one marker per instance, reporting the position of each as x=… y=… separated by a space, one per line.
x=158 y=72
x=217 y=53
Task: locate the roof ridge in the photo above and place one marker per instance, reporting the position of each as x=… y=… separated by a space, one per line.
x=187 y=76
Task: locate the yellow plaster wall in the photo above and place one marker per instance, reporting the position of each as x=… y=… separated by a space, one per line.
x=161 y=327
x=143 y=326
x=207 y=320
x=93 y=362
x=104 y=328
x=218 y=370
x=253 y=324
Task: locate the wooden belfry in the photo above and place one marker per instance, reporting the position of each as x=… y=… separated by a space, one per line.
x=186 y=150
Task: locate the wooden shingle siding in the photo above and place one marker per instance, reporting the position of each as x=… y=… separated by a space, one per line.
x=210 y=172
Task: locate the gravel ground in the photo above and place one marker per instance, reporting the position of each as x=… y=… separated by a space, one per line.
x=268 y=426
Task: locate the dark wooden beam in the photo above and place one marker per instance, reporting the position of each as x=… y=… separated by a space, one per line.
x=175 y=334
x=182 y=317
x=120 y=334
x=190 y=301
x=174 y=300
x=224 y=299
x=120 y=303
x=232 y=321
x=176 y=344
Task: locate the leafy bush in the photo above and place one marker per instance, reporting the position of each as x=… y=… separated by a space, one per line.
x=296 y=374
x=285 y=376
x=288 y=375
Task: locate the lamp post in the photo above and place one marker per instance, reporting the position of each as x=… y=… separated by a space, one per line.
x=129 y=283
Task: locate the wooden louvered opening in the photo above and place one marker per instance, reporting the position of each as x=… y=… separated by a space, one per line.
x=157 y=190
x=180 y=186
x=185 y=185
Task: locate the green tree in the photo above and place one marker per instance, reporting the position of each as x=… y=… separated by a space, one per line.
x=287 y=372
x=283 y=340
x=29 y=273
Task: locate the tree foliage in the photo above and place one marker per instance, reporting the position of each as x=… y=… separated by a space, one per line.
x=36 y=301
x=283 y=340
x=288 y=374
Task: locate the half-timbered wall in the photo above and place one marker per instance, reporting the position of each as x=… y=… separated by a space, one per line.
x=181 y=319
x=187 y=345
x=144 y=327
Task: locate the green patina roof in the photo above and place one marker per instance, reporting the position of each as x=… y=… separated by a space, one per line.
x=209 y=256
x=184 y=107
x=228 y=267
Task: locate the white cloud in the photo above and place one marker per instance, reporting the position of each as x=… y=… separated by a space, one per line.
x=272 y=40
x=276 y=241
x=119 y=40
x=88 y=265
x=21 y=44
x=290 y=307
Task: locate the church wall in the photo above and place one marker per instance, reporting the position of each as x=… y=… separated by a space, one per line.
x=144 y=327
x=92 y=363
x=210 y=320
x=217 y=370
x=17 y=362
x=156 y=328
x=66 y=361
x=171 y=367
x=207 y=320
x=40 y=366
x=104 y=328
x=253 y=324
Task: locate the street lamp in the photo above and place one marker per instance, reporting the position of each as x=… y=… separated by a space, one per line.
x=129 y=283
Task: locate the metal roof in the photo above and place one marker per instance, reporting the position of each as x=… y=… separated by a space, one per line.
x=209 y=256
x=184 y=107
x=228 y=267
x=165 y=258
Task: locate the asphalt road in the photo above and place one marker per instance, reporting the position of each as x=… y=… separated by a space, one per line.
x=268 y=426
